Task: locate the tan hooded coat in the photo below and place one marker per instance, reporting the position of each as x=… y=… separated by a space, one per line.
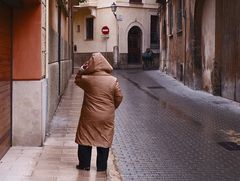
x=102 y=95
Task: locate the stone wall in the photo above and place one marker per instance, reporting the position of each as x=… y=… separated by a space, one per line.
x=205 y=55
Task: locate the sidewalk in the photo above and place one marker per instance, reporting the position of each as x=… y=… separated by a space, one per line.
x=56 y=160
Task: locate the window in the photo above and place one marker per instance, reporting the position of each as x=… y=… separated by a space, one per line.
x=154 y=39
x=170 y=17
x=179 y=15
x=136 y=1
x=89 y=29
x=78 y=28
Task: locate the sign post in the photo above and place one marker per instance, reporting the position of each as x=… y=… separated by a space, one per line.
x=105 y=32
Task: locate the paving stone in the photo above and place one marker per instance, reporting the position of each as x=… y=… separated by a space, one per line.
x=171 y=133
x=56 y=160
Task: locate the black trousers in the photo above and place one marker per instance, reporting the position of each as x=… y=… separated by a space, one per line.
x=84 y=157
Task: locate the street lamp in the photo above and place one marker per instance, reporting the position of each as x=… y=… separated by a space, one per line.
x=114 y=8
x=116 y=48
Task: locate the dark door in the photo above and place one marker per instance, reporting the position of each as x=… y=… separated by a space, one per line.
x=134 y=45
x=5 y=78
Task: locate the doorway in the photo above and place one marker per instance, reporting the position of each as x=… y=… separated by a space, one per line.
x=134 y=45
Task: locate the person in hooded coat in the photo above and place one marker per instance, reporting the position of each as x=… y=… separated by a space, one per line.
x=102 y=95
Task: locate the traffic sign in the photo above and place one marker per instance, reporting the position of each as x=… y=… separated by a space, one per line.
x=105 y=30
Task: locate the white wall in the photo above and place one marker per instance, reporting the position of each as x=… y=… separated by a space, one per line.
x=132 y=14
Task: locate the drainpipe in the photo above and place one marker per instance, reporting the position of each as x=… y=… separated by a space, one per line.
x=59 y=49
x=11 y=79
x=47 y=38
x=71 y=36
x=46 y=68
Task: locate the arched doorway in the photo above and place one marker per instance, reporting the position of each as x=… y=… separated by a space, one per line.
x=134 y=45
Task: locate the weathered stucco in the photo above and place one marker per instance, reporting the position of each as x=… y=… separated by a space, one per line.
x=208 y=43
x=229 y=30
x=208 y=47
x=28 y=112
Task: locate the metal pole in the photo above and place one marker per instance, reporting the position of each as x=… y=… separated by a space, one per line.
x=106 y=50
x=118 y=49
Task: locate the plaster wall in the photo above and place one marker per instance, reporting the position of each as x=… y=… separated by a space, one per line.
x=212 y=50
x=53 y=88
x=29 y=92
x=59 y=68
x=230 y=57
x=27 y=33
x=208 y=42
x=53 y=14
x=163 y=42
x=29 y=105
x=128 y=15
x=66 y=68
x=104 y=17
x=172 y=45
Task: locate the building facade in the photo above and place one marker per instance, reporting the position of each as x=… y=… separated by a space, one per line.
x=199 y=44
x=35 y=65
x=134 y=28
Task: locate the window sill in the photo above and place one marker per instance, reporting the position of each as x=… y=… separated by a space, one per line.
x=88 y=39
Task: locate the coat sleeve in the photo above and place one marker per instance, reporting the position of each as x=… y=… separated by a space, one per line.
x=117 y=95
x=79 y=80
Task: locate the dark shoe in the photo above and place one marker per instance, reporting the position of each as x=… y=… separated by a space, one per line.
x=101 y=170
x=82 y=168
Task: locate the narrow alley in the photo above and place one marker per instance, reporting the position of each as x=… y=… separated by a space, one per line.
x=178 y=66
x=164 y=131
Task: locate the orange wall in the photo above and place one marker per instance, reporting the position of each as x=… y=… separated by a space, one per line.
x=27 y=43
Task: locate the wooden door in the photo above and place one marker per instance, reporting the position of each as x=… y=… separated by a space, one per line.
x=5 y=78
x=134 y=45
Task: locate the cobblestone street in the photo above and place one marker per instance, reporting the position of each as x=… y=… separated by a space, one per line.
x=137 y=90
x=166 y=131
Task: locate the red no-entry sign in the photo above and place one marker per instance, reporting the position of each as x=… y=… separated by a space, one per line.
x=105 y=30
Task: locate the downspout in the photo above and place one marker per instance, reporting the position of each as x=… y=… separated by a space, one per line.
x=46 y=67
x=47 y=37
x=11 y=77
x=59 y=49
x=71 y=35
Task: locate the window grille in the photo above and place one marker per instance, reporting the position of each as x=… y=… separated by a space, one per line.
x=89 y=28
x=179 y=15
x=170 y=17
x=154 y=39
